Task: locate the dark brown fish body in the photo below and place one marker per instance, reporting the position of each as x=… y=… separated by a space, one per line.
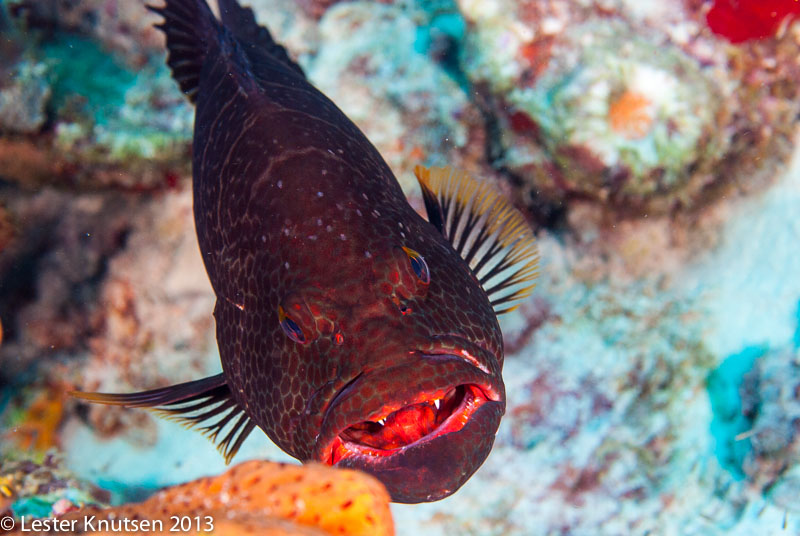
x=326 y=321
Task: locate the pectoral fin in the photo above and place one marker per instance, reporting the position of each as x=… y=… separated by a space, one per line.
x=489 y=234
x=191 y=404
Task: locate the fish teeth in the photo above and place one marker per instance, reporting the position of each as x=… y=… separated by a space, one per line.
x=382 y=422
x=437 y=402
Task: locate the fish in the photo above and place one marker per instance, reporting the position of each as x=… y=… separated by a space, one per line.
x=353 y=331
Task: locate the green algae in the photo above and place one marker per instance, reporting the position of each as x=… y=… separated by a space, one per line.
x=729 y=420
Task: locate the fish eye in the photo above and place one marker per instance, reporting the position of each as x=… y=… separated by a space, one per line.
x=290 y=327
x=419 y=265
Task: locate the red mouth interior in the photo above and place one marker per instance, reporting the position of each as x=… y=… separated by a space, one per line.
x=410 y=424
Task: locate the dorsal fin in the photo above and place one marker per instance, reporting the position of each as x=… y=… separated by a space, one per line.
x=241 y=22
x=190 y=404
x=490 y=235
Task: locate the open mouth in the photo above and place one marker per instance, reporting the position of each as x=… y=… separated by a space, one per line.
x=395 y=429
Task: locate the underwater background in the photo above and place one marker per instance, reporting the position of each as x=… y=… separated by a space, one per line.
x=653 y=378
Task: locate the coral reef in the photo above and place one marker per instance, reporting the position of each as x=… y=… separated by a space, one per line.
x=93 y=119
x=602 y=103
x=414 y=111
x=263 y=498
x=45 y=266
x=122 y=28
x=771 y=403
x=105 y=249
x=43 y=488
x=35 y=426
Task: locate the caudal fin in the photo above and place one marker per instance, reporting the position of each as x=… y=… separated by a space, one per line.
x=191 y=404
x=241 y=22
x=191 y=30
x=193 y=33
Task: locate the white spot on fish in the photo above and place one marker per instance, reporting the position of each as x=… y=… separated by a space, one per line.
x=328 y=228
x=280 y=184
x=367 y=254
x=324 y=171
x=312 y=237
x=319 y=222
x=400 y=224
x=365 y=196
x=358 y=212
x=320 y=194
x=286 y=265
x=342 y=236
x=331 y=152
x=340 y=151
x=375 y=213
x=286 y=231
x=402 y=234
x=263 y=238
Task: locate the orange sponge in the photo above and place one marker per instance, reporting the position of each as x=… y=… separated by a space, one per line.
x=260 y=497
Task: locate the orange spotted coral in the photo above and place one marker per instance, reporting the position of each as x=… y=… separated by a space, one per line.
x=260 y=497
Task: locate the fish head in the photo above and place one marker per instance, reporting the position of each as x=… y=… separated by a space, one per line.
x=416 y=363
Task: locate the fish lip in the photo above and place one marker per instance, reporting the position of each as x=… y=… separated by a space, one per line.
x=477 y=354
x=466 y=362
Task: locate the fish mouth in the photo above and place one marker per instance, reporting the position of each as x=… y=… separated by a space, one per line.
x=421 y=427
x=386 y=435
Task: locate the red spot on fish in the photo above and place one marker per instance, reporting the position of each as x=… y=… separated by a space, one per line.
x=743 y=20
